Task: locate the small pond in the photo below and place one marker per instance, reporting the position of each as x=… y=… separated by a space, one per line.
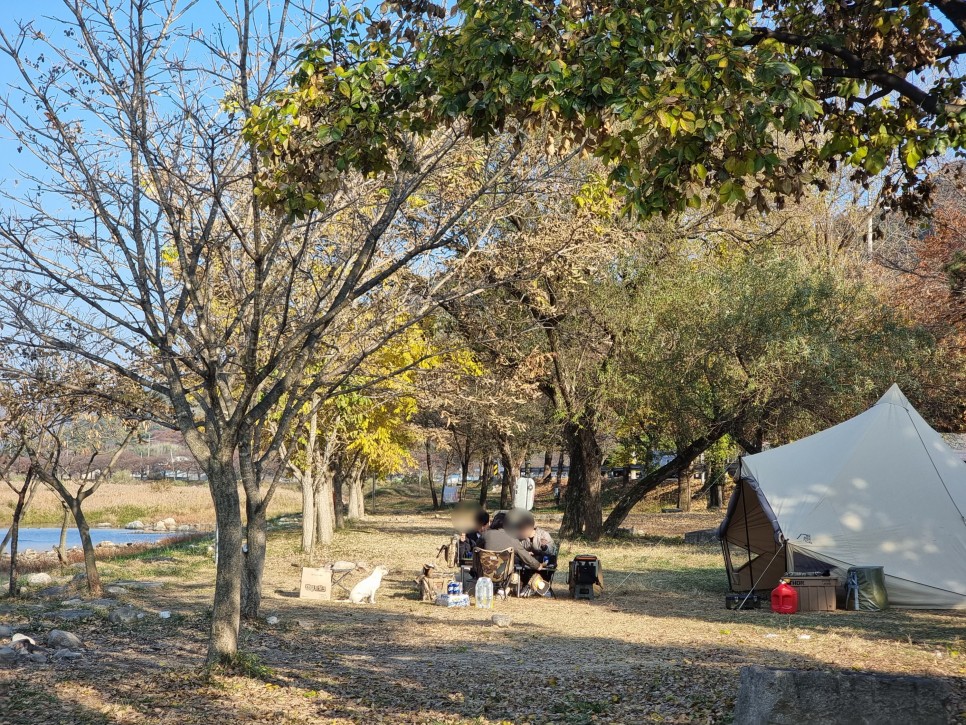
x=42 y=538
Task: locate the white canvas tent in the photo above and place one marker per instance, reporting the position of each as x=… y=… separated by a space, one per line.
x=880 y=489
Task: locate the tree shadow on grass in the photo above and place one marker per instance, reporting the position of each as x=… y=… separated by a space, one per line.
x=338 y=662
x=690 y=592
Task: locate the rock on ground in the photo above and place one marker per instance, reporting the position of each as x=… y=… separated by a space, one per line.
x=102 y=603
x=66 y=654
x=7 y=654
x=785 y=697
x=140 y=585
x=125 y=615
x=5 y=631
x=134 y=525
x=72 y=615
x=39 y=579
x=63 y=640
x=704 y=536
x=52 y=592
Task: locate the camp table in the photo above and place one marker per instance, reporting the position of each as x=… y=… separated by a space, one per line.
x=340 y=571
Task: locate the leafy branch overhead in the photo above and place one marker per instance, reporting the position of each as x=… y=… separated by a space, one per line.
x=681 y=100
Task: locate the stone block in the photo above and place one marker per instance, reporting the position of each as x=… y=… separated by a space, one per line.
x=790 y=697
x=704 y=536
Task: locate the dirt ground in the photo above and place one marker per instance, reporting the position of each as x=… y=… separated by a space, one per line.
x=658 y=646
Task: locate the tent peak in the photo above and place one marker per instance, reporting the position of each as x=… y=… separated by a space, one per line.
x=894 y=396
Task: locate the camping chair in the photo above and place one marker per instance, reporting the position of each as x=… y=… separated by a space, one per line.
x=496 y=565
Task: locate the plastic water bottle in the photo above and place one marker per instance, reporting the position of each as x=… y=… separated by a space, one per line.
x=484 y=593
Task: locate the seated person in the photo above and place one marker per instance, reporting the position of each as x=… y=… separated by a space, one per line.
x=500 y=539
x=535 y=540
x=499 y=520
x=471 y=539
x=539 y=543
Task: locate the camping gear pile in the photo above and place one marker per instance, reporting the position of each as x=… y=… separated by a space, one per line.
x=431 y=583
x=877 y=503
x=585 y=574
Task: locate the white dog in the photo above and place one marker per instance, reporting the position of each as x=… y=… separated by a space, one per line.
x=365 y=591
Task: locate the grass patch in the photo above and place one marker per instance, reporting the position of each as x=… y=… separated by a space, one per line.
x=244 y=664
x=119 y=503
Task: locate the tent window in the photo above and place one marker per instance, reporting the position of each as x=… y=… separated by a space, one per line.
x=805 y=564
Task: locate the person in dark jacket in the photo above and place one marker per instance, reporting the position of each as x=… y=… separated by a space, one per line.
x=471 y=539
x=501 y=539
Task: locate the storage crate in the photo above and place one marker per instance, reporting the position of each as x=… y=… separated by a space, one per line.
x=815 y=593
x=743 y=601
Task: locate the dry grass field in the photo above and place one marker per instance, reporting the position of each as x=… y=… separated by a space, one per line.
x=658 y=646
x=120 y=503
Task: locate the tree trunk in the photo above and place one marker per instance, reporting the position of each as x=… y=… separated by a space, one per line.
x=547 y=476
x=325 y=521
x=308 y=478
x=308 y=514
x=464 y=473
x=90 y=563
x=485 y=480
x=684 y=488
x=6 y=538
x=338 y=479
x=357 y=496
x=256 y=530
x=325 y=510
x=445 y=476
x=257 y=499
x=648 y=483
x=559 y=485
x=714 y=496
x=429 y=476
x=582 y=507
x=62 y=542
x=226 y=610
x=15 y=532
x=511 y=471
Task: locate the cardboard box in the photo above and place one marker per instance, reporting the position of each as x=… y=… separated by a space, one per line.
x=815 y=593
x=316 y=583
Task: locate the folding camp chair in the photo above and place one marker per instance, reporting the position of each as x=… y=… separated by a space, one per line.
x=496 y=565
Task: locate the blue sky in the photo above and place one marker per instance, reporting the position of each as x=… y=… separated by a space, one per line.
x=204 y=13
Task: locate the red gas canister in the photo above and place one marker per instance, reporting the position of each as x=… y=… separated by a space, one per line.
x=784 y=599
